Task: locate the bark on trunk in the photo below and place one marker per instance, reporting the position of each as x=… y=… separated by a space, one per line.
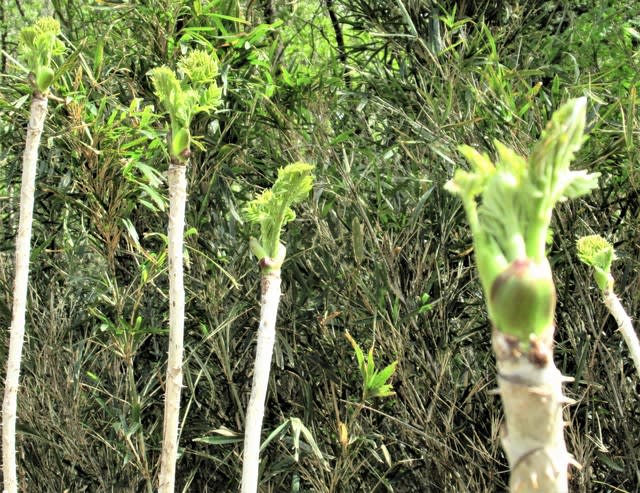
x=255 y=411
x=20 y=285
x=530 y=387
x=177 y=200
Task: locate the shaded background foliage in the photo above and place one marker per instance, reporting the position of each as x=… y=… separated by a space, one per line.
x=377 y=95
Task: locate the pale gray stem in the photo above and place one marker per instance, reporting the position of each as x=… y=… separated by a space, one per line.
x=530 y=387
x=623 y=320
x=177 y=200
x=255 y=411
x=20 y=285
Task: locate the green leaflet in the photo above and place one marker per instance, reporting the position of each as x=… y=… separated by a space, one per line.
x=375 y=383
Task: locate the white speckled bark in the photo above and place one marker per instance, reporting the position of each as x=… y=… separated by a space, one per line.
x=530 y=387
x=177 y=201
x=261 y=369
x=20 y=286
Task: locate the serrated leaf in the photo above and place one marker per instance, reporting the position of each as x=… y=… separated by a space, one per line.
x=272 y=208
x=383 y=391
x=577 y=183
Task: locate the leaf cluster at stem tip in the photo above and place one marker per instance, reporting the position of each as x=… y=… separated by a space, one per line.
x=375 y=383
x=598 y=253
x=272 y=209
x=194 y=91
x=39 y=43
x=508 y=203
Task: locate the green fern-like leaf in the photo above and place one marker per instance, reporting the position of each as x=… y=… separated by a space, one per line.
x=199 y=67
x=599 y=254
x=38 y=44
x=272 y=208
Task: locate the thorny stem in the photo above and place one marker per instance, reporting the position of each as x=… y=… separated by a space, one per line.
x=20 y=287
x=270 y=299
x=177 y=200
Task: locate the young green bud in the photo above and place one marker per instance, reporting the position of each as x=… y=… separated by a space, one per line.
x=44 y=78
x=523 y=299
x=180 y=143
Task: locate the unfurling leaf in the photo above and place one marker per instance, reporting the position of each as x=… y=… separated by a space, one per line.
x=598 y=253
x=199 y=66
x=183 y=98
x=272 y=208
x=39 y=43
x=166 y=86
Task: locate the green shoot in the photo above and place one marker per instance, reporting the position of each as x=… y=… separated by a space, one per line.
x=598 y=253
x=508 y=205
x=272 y=211
x=426 y=305
x=39 y=43
x=375 y=383
x=196 y=91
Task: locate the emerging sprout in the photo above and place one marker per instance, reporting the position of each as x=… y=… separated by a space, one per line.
x=272 y=209
x=196 y=92
x=508 y=206
x=598 y=253
x=39 y=43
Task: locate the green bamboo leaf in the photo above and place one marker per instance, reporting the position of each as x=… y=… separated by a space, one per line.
x=357 y=240
x=359 y=354
x=380 y=378
x=369 y=366
x=298 y=425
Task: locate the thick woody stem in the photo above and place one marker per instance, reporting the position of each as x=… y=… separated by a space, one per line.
x=21 y=282
x=177 y=200
x=530 y=387
x=255 y=410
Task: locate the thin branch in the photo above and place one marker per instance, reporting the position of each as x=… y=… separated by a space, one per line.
x=612 y=302
x=337 y=29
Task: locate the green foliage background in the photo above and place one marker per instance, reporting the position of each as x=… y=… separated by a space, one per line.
x=377 y=95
